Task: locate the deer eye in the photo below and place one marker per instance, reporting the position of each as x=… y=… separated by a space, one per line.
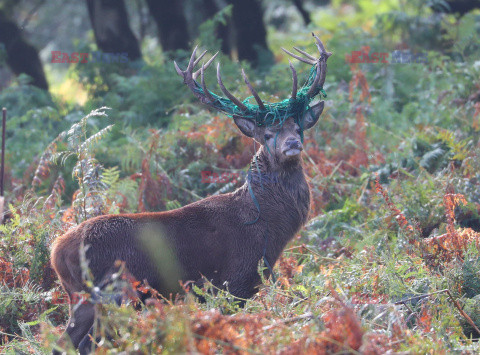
x=268 y=136
x=299 y=131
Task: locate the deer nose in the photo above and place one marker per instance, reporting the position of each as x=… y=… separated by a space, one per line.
x=292 y=147
x=293 y=143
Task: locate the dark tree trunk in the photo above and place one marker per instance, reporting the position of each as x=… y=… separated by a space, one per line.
x=251 y=35
x=110 y=25
x=305 y=14
x=460 y=7
x=22 y=57
x=171 y=23
x=222 y=31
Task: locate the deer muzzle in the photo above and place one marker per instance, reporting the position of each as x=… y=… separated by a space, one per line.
x=292 y=147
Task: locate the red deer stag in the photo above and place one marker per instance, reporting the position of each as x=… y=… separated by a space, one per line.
x=220 y=238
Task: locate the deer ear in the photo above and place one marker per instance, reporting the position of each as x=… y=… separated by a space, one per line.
x=245 y=125
x=311 y=116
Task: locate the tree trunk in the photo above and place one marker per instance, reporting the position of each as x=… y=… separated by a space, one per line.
x=305 y=14
x=460 y=7
x=171 y=23
x=22 y=57
x=251 y=36
x=222 y=31
x=110 y=25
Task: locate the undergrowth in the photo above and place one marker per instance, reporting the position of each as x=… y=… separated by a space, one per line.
x=389 y=260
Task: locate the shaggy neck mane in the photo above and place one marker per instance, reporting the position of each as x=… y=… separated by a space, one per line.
x=264 y=171
x=283 y=197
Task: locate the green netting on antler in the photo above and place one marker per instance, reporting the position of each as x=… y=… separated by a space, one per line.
x=274 y=113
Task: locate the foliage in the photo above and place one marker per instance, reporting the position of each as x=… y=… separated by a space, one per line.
x=393 y=166
x=88 y=201
x=208 y=29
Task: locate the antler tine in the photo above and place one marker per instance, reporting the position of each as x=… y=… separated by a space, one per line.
x=321 y=66
x=191 y=63
x=252 y=90
x=207 y=64
x=227 y=93
x=320 y=46
x=179 y=71
x=189 y=78
x=204 y=86
x=323 y=73
x=295 y=81
x=305 y=53
x=311 y=62
x=199 y=58
x=316 y=81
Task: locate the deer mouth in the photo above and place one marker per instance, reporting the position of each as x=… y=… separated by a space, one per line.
x=292 y=152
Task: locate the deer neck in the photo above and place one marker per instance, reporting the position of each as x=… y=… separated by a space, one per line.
x=266 y=173
x=283 y=197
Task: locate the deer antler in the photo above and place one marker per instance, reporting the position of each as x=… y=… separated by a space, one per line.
x=189 y=77
x=233 y=106
x=227 y=93
x=252 y=91
x=320 y=63
x=295 y=81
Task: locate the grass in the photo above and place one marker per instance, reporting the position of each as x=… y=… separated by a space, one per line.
x=389 y=260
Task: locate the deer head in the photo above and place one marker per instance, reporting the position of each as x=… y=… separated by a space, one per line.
x=276 y=126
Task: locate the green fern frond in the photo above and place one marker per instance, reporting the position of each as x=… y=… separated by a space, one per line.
x=93 y=139
x=171 y=205
x=99 y=112
x=111 y=176
x=230 y=186
x=434 y=159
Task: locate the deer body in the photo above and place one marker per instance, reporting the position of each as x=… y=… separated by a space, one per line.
x=220 y=238
x=210 y=237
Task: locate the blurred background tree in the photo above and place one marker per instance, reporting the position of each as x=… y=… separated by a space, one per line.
x=21 y=56
x=111 y=27
x=459 y=7
x=171 y=23
x=120 y=27
x=251 y=35
x=146 y=91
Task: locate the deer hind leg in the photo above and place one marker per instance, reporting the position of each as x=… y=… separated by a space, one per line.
x=85 y=346
x=80 y=322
